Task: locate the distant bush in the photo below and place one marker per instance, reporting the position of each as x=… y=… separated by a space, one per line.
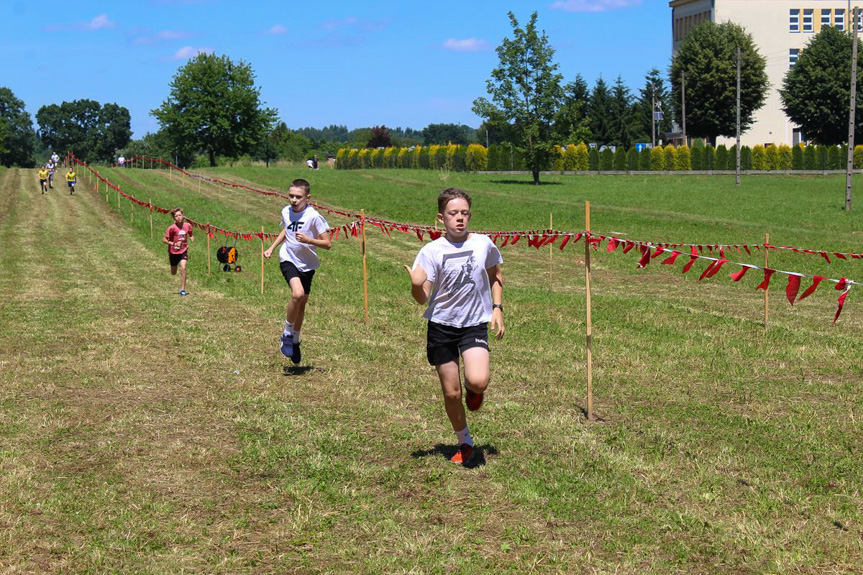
x=593 y=159
x=785 y=159
x=759 y=157
x=621 y=163
x=721 y=158
x=797 y=162
x=657 y=159
x=682 y=160
x=606 y=160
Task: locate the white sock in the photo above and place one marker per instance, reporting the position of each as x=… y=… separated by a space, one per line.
x=296 y=337
x=289 y=327
x=464 y=436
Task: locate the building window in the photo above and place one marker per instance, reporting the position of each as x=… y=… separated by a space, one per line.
x=808 y=20
x=825 y=17
x=859 y=20
x=797 y=136
x=793 y=53
x=839 y=19
x=794 y=20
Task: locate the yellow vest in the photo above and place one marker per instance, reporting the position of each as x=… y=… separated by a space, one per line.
x=43 y=174
x=70 y=176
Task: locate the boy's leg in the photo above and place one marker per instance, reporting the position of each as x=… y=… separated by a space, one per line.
x=477 y=371
x=297 y=305
x=173 y=270
x=182 y=275
x=450 y=384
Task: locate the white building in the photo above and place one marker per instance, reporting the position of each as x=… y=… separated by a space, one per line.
x=780 y=29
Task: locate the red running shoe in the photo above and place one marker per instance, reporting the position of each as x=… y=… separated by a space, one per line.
x=472 y=400
x=463 y=455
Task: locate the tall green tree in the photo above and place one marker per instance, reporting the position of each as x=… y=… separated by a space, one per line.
x=571 y=121
x=815 y=92
x=92 y=131
x=624 y=123
x=708 y=56
x=380 y=138
x=525 y=90
x=601 y=113
x=17 y=137
x=214 y=108
x=448 y=134
x=655 y=91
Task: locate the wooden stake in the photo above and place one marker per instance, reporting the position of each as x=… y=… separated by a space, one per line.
x=262 y=260
x=365 y=269
x=150 y=201
x=766 y=295
x=208 y=248
x=590 y=415
x=118 y=200
x=550 y=252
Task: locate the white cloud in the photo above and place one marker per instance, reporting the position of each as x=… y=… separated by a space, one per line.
x=187 y=52
x=467 y=45
x=100 y=22
x=593 y=5
x=276 y=30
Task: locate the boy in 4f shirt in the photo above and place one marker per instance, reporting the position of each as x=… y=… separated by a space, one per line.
x=459 y=276
x=303 y=231
x=177 y=237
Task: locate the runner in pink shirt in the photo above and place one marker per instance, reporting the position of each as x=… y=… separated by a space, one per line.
x=177 y=237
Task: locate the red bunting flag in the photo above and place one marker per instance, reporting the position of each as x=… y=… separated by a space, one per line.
x=825 y=256
x=707 y=270
x=670 y=260
x=792 y=288
x=564 y=241
x=717 y=265
x=766 y=283
x=515 y=238
x=612 y=245
x=689 y=264
x=505 y=241
x=841 y=302
x=843 y=284
x=628 y=245
x=659 y=251
x=737 y=276
x=645 y=257
x=434 y=234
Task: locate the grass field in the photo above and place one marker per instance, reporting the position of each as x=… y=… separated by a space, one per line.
x=145 y=432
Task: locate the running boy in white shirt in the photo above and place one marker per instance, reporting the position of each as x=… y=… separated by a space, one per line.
x=303 y=231
x=459 y=276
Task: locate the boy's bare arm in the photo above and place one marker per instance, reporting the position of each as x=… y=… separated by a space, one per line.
x=279 y=239
x=495 y=278
x=323 y=241
x=420 y=286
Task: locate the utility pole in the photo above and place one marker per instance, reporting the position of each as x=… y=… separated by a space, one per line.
x=851 y=114
x=738 y=115
x=683 y=103
x=653 y=116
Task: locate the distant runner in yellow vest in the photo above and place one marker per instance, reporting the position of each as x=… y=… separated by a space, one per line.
x=43 y=179
x=70 y=181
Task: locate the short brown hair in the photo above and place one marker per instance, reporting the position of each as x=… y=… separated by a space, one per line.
x=451 y=194
x=175 y=210
x=303 y=185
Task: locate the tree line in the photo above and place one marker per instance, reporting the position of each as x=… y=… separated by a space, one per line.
x=214 y=109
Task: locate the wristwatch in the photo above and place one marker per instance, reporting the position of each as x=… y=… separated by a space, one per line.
x=497 y=306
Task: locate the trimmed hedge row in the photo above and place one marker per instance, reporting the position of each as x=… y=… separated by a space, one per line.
x=581 y=158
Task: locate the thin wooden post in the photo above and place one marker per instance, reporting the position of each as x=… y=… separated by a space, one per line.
x=550 y=253
x=589 y=320
x=262 y=260
x=118 y=200
x=208 y=248
x=150 y=201
x=766 y=295
x=365 y=269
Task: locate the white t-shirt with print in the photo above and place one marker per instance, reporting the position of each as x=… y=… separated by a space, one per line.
x=309 y=222
x=461 y=296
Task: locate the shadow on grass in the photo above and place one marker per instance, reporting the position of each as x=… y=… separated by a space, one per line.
x=298 y=369
x=524 y=182
x=478 y=459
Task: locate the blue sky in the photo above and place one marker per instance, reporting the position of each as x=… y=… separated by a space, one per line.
x=397 y=63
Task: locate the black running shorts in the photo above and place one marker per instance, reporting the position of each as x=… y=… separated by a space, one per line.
x=289 y=270
x=445 y=343
x=175 y=259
